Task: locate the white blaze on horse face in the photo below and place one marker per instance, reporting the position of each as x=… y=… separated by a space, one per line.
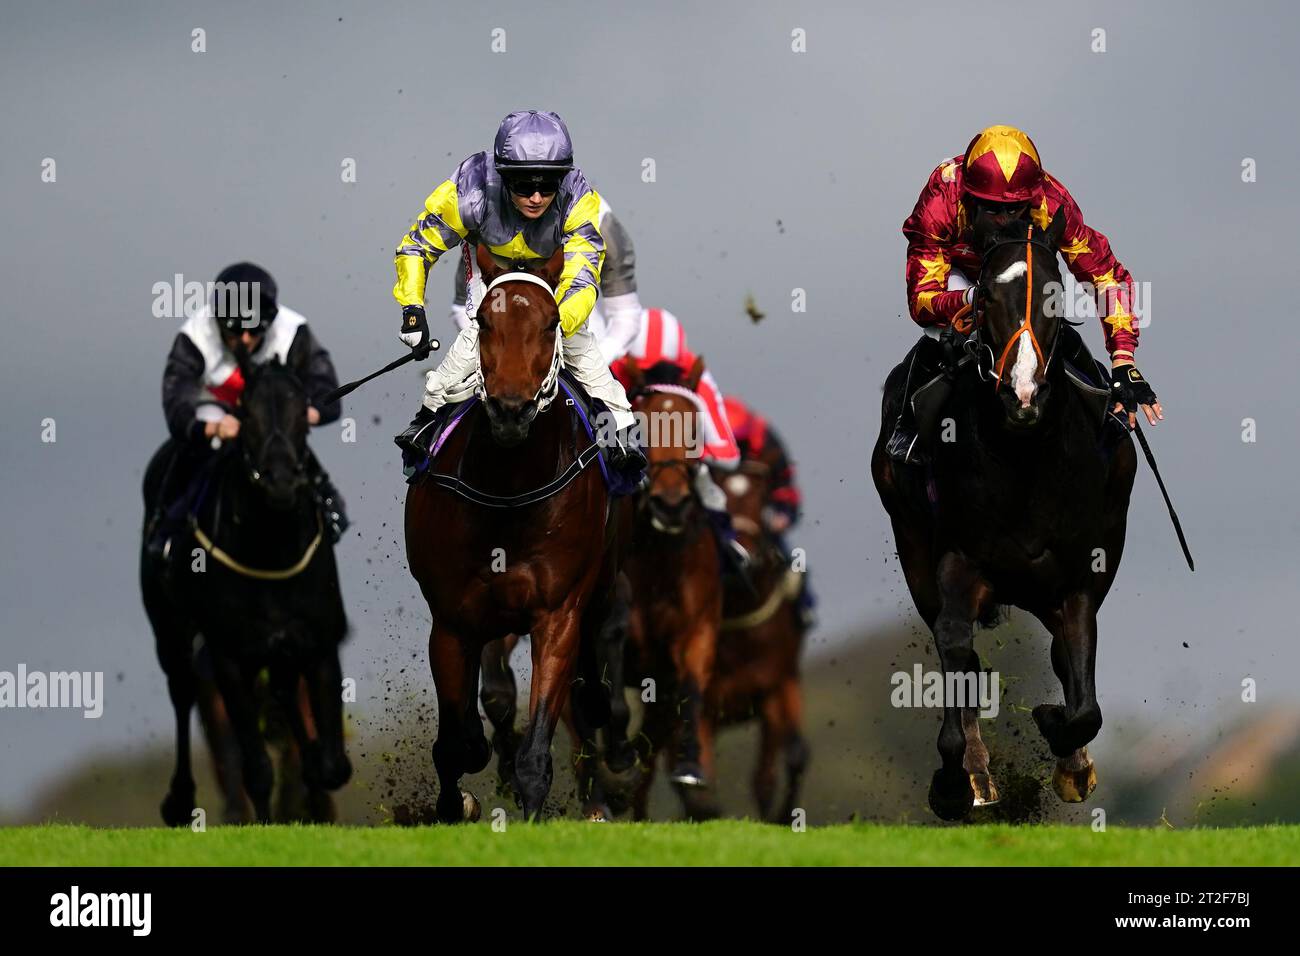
x=1012 y=272
x=1022 y=373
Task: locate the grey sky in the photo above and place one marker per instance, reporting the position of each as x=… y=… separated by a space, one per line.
x=171 y=162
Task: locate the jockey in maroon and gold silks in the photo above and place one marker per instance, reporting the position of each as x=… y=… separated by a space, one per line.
x=939 y=234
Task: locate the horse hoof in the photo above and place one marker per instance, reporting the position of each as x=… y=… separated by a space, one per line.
x=689 y=775
x=1074 y=778
x=986 y=791
x=470 y=807
x=951 y=805
x=177 y=811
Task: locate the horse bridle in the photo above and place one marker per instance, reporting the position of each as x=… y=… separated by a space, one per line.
x=973 y=319
x=686 y=465
x=549 y=388
x=275 y=432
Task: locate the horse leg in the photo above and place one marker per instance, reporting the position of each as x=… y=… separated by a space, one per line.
x=656 y=733
x=461 y=747
x=701 y=803
x=1068 y=729
x=498 y=695
x=555 y=656
x=236 y=684
x=796 y=747
x=616 y=642
x=951 y=795
x=694 y=662
x=325 y=760
x=224 y=751
x=178 y=804
x=976 y=761
x=771 y=732
x=595 y=805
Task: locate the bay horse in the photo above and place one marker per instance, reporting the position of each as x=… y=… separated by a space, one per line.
x=255 y=575
x=511 y=558
x=1026 y=505
x=762 y=634
x=675 y=609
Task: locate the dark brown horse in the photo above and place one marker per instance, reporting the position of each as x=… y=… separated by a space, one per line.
x=676 y=602
x=1025 y=505
x=757 y=671
x=544 y=568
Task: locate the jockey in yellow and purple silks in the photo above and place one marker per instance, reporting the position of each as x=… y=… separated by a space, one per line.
x=522 y=201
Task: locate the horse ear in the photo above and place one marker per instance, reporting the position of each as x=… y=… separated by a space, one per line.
x=1055 y=230
x=554 y=266
x=487 y=265
x=696 y=373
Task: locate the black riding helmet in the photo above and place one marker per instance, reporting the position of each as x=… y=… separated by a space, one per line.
x=243 y=299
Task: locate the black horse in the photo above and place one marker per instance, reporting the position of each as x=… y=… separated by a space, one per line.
x=1024 y=502
x=255 y=576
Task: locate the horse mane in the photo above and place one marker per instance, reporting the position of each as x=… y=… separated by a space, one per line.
x=663 y=373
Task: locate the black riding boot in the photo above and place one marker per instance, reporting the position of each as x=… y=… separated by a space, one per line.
x=625 y=456
x=333 y=508
x=736 y=561
x=168 y=517
x=414 y=439
x=924 y=364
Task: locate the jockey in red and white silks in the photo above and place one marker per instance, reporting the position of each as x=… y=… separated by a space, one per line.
x=661 y=338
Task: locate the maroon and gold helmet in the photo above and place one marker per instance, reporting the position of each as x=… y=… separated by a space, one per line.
x=1002 y=166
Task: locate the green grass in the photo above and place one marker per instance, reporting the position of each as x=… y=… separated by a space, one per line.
x=733 y=842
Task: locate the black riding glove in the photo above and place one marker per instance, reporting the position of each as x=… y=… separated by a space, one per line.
x=950 y=348
x=1130 y=389
x=415 y=330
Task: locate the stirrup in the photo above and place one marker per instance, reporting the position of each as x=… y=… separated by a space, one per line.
x=408 y=440
x=624 y=455
x=902 y=446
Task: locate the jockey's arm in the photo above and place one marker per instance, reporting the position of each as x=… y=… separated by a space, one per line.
x=437 y=229
x=459 y=315
x=619 y=300
x=584 y=255
x=182 y=386
x=784 y=495
x=929 y=239
x=1092 y=262
x=319 y=376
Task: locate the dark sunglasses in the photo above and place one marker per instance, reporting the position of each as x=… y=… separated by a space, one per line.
x=526 y=187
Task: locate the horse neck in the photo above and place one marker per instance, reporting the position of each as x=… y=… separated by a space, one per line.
x=533 y=462
x=268 y=532
x=988 y=417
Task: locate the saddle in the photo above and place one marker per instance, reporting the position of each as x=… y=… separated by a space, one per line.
x=584 y=412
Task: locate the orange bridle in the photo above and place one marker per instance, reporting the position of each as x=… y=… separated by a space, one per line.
x=965 y=320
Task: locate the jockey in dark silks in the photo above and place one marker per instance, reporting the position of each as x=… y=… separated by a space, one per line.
x=1000 y=175
x=202 y=370
x=759 y=441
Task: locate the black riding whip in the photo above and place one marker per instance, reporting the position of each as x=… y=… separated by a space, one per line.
x=351 y=387
x=1173 y=516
